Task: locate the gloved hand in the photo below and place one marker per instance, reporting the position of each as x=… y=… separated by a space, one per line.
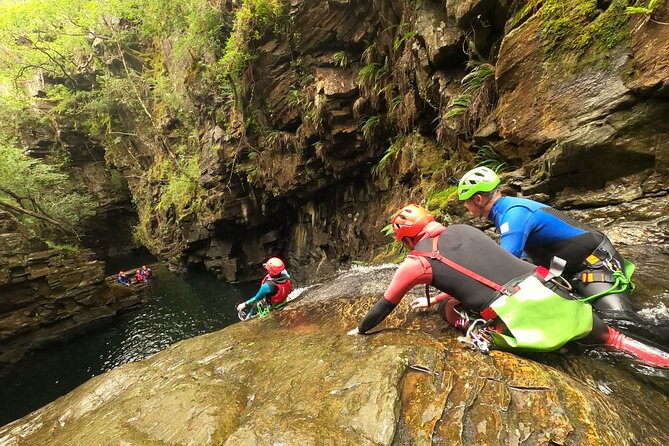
x=241 y=306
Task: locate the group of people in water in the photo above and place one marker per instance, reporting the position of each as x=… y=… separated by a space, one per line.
x=141 y=276
x=550 y=281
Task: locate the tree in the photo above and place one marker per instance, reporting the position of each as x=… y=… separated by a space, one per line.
x=37 y=194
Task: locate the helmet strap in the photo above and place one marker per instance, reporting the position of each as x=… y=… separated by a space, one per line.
x=482 y=207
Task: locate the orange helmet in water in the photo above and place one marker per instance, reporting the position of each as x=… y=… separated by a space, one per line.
x=409 y=221
x=274 y=266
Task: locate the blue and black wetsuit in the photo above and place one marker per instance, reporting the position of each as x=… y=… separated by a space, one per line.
x=539 y=232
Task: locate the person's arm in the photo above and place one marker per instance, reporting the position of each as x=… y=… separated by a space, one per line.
x=413 y=271
x=263 y=291
x=514 y=228
x=421 y=302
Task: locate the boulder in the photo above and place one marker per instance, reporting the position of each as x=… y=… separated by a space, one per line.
x=296 y=378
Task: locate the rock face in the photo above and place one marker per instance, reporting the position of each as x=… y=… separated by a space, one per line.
x=347 y=118
x=351 y=111
x=584 y=90
x=109 y=232
x=297 y=379
x=48 y=295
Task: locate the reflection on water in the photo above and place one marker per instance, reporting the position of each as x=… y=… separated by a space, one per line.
x=179 y=306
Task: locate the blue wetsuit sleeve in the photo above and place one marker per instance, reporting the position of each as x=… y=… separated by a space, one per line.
x=514 y=228
x=262 y=292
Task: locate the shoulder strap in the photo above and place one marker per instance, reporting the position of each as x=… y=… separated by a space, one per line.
x=459 y=268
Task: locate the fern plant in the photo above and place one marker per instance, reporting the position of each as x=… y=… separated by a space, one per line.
x=370 y=73
x=395 y=147
x=340 y=58
x=399 y=41
x=480 y=72
x=457 y=107
x=368 y=126
x=487 y=156
x=295 y=98
x=645 y=10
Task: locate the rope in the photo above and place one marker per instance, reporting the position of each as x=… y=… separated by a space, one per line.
x=621 y=284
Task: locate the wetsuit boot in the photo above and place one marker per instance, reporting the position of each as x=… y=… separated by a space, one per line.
x=650 y=355
x=617 y=309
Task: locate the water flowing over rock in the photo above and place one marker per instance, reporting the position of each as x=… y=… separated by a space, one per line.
x=297 y=379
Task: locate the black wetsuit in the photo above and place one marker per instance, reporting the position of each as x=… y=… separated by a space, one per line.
x=472 y=249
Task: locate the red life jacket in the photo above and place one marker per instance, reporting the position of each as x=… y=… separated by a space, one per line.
x=285 y=287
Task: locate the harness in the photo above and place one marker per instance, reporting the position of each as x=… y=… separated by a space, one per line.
x=603 y=267
x=561 y=320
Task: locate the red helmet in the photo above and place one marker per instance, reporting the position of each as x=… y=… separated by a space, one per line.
x=274 y=266
x=409 y=221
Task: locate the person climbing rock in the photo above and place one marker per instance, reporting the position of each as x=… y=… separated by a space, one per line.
x=274 y=290
x=594 y=268
x=515 y=304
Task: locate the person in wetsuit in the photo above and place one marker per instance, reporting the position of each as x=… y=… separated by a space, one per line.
x=274 y=289
x=123 y=279
x=459 y=260
x=594 y=268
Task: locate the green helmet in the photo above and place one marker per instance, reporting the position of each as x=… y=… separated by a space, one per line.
x=480 y=179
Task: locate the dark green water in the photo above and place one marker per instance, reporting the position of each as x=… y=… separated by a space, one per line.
x=180 y=306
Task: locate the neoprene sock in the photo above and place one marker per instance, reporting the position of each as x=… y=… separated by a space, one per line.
x=649 y=355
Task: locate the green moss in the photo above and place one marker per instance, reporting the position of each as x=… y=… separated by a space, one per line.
x=521 y=15
x=438 y=200
x=180 y=188
x=62 y=246
x=577 y=31
x=117 y=181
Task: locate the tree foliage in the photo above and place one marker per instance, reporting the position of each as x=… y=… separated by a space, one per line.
x=37 y=194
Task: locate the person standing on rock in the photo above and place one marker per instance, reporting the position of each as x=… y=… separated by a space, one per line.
x=273 y=292
x=594 y=268
x=514 y=303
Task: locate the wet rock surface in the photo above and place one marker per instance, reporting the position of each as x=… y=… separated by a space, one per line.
x=296 y=378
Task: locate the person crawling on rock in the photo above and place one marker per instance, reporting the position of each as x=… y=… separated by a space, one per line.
x=273 y=292
x=531 y=229
x=501 y=301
